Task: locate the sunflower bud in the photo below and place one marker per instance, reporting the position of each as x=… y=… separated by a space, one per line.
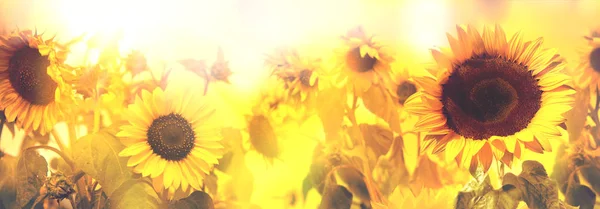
x=59 y=186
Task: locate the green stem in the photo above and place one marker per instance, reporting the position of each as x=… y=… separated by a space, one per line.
x=67 y=159
x=58 y=140
x=72 y=133
x=77 y=176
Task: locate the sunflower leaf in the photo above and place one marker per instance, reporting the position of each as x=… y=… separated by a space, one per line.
x=8 y=189
x=197 y=200
x=539 y=191
x=134 y=193
x=32 y=169
x=580 y=195
x=335 y=196
x=97 y=155
x=591 y=172
x=332 y=103
x=577 y=115
x=377 y=100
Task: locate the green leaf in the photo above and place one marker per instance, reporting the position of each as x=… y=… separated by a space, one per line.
x=32 y=169
x=97 y=155
x=576 y=117
x=591 y=172
x=197 y=200
x=306 y=186
x=336 y=197
x=8 y=189
x=380 y=102
x=134 y=193
x=332 y=106
x=539 y=191
x=580 y=195
x=242 y=178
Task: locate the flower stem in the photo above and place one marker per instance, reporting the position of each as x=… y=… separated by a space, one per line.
x=77 y=175
x=58 y=140
x=65 y=157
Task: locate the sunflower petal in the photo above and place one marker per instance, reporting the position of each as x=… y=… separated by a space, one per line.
x=135 y=149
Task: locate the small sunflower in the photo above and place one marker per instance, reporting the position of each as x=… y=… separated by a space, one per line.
x=301 y=77
x=35 y=91
x=174 y=137
x=589 y=76
x=402 y=86
x=136 y=62
x=492 y=97
x=281 y=58
x=363 y=61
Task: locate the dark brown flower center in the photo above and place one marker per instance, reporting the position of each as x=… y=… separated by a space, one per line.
x=262 y=136
x=490 y=96
x=405 y=90
x=305 y=77
x=27 y=70
x=171 y=137
x=595 y=59
x=359 y=63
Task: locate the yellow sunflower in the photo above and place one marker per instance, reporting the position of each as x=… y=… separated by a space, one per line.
x=401 y=86
x=492 y=97
x=173 y=136
x=35 y=88
x=589 y=76
x=280 y=59
x=363 y=61
x=301 y=76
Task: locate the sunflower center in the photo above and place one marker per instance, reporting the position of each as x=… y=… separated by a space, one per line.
x=405 y=90
x=481 y=97
x=359 y=63
x=595 y=59
x=27 y=70
x=262 y=136
x=305 y=77
x=171 y=137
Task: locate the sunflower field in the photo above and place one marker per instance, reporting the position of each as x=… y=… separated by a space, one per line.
x=313 y=104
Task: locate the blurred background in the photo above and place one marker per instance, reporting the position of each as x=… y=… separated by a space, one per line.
x=167 y=31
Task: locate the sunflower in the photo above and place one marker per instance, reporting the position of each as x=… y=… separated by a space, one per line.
x=301 y=76
x=280 y=59
x=492 y=98
x=34 y=82
x=173 y=136
x=401 y=86
x=363 y=61
x=589 y=76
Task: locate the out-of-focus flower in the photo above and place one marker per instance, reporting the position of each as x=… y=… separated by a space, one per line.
x=492 y=97
x=588 y=74
x=363 y=61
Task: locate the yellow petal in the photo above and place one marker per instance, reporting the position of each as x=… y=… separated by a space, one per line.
x=135 y=149
x=169 y=174
x=136 y=159
x=453 y=147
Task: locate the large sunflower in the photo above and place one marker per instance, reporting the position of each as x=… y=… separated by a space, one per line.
x=590 y=63
x=34 y=86
x=492 y=97
x=363 y=61
x=173 y=136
